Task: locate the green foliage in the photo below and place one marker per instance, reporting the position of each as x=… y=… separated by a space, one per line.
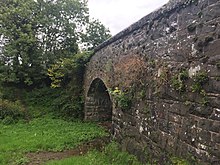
x=217 y=78
x=111 y=155
x=40 y=101
x=36 y=33
x=44 y=96
x=122 y=98
x=9 y=93
x=11 y=112
x=152 y=63
x=218 y=64
x=70 y=103
x=116 y=156
x=198 y=81
x=68 y=69
x=179 y=161
x=142 y=94
x=68 y=74
x=43 y=134
x=20 y=55
x=59 y=102
x=178 y=81
x=96 y=34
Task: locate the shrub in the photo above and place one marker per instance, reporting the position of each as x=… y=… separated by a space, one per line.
x=69 y=104
x=122 y=99
x=44 y=96
x=11 y=112
x=67 y=74
x=178 y=81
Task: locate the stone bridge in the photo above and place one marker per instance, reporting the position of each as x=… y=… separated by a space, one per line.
x=158 y=81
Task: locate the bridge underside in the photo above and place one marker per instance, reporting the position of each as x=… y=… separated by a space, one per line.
x=98 y=105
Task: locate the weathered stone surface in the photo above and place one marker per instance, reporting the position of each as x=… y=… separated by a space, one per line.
x=215 y=137
x=216 y=114
x=203 y=111
x=168 y=64
x=213 y=49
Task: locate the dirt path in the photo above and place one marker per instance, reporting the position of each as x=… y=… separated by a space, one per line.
x=39 y=158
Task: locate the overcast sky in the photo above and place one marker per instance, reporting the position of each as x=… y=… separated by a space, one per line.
x=119 y=14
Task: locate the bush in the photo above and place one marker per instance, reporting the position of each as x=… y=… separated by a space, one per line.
x=44 y=96
x=69 y=104
x=65 y=102
x=122 y=99
x=67 y=74
x=11 y=112
x=9 y=93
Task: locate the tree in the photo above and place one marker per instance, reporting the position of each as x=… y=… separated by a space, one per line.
x=18 y=29
x=37 y=33
x=95 y=34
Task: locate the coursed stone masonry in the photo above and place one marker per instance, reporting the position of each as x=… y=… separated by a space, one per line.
x=169 y=65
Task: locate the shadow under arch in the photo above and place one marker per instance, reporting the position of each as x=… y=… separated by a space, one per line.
x=98 y=104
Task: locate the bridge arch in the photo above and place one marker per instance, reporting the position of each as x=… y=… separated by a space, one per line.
x=98 y=104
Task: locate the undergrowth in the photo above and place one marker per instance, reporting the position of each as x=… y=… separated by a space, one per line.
x=11 y=112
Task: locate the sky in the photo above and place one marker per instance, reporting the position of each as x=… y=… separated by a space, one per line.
x=119 y=14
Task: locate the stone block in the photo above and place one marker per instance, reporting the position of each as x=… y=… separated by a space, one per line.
x=174 y=129
x=163 y=125
x=187 y=16
x=215 y=150
x=214 y=101
x=211 y=12
x=175 y=118
x=213 y=70
x=180 y=108
x=201 y=110
x=215 y=137
x=212 y=50
x=204 y=137
x=130 y=131
x=214 y=59
x=212 y=86
x=127 y=118
x=216 y=114
x=154 y=136
x=211 y=2
x=215 y=127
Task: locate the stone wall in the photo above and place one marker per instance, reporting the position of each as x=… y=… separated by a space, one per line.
x=168 y=65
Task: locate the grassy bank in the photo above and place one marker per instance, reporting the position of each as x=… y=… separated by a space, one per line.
x=43 y=134
x=111 y=155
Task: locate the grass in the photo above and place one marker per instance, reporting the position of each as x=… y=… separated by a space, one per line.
x=43 y=134
x=46 y=133
x=111 y=155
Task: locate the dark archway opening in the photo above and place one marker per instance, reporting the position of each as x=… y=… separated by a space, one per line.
x=98 y=105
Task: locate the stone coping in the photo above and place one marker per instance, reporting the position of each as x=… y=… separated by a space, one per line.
x=166 y=9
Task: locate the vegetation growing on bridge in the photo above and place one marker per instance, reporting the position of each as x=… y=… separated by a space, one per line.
x=122 y=98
